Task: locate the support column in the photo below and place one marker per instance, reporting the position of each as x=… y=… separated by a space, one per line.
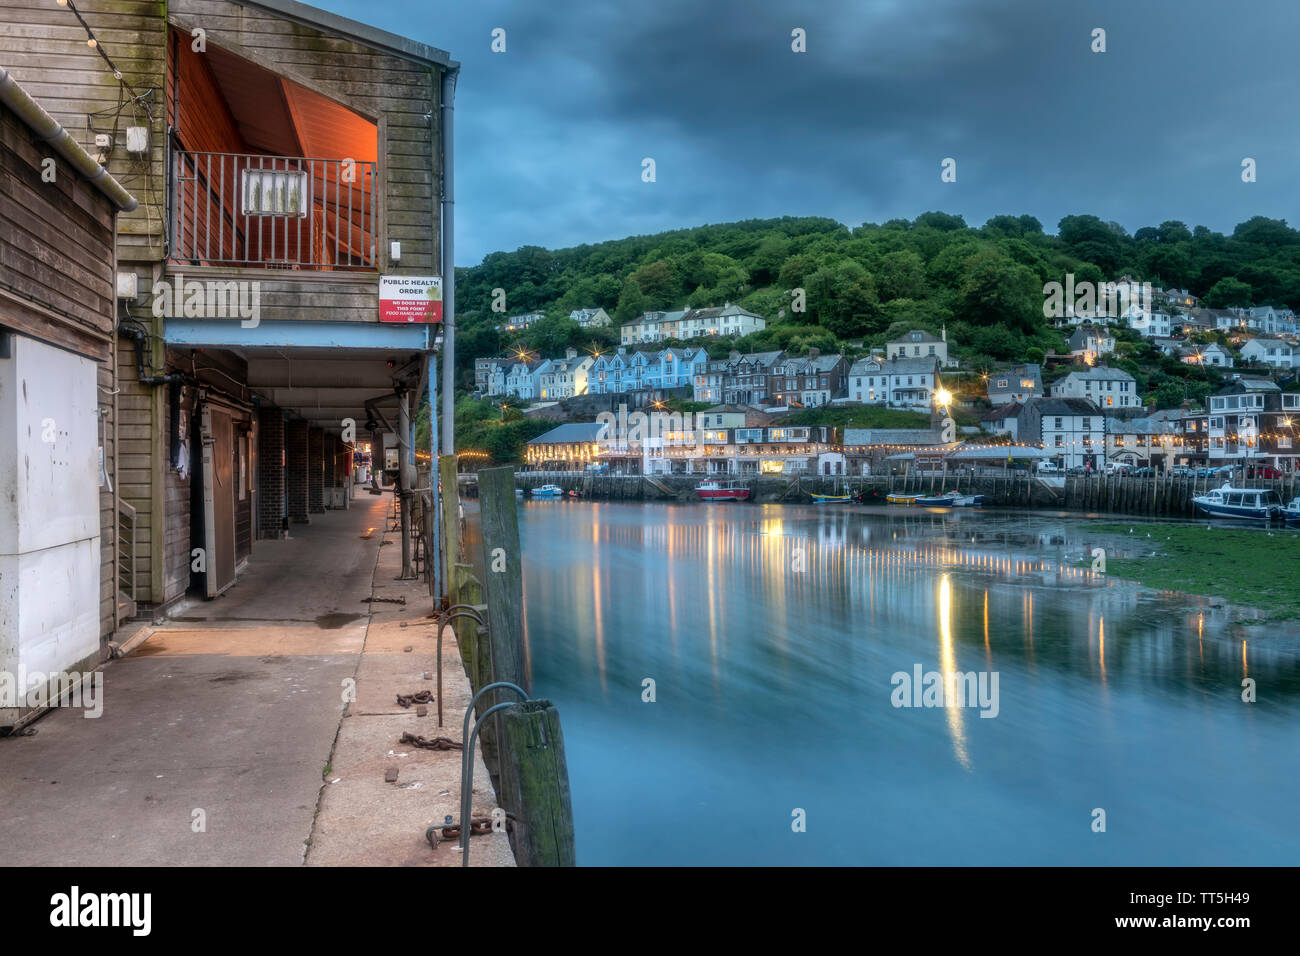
x=296 y=470
x=315 y=471
x=270 y=473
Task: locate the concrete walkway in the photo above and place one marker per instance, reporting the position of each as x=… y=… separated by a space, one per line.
x=217 y=730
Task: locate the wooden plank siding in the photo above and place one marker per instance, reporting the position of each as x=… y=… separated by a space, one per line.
x=393 y=91
x=44 y=47
x=57 y=285
x=134 y=471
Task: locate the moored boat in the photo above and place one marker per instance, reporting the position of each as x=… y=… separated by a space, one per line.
x=548 y=491
x=951 y=499
x=897 y=499
x=1242 y=504
x=829 y=499
x=1291 y=511
x=713 y=490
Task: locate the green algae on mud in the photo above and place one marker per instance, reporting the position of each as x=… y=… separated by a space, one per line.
x=1248 y=567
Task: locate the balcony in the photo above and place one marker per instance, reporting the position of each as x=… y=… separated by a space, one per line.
x=273 y=212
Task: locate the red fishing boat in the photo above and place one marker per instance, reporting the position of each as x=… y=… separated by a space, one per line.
x=722 y=491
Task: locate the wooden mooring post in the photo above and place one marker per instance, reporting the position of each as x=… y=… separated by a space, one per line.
x=534 y=781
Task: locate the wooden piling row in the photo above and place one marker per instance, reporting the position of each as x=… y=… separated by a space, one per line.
x=533 y=783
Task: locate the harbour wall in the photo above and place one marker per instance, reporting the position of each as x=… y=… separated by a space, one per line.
x=1152 y=496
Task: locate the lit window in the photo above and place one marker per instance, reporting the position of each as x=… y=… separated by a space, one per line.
x=275 y=192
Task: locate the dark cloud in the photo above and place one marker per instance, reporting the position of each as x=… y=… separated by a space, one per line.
x=551 y=134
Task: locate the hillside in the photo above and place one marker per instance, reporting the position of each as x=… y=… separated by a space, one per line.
x=865 y=284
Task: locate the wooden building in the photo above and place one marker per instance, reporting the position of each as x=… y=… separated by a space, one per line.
x=60 y=565
x=289 y=167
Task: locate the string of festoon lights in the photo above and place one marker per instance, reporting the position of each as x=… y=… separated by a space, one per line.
x=94 y=43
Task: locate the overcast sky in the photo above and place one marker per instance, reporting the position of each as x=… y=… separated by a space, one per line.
x=550 y=135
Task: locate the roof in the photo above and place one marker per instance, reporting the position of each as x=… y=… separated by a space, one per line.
x=915 y=335
x=1101 y=373
x=1140 y=426
x=714 y=312
x=1009 y=410
x=1063 y=406
x=571 y=433
x=891 y=436
x=1250 y=385
x=362 y=33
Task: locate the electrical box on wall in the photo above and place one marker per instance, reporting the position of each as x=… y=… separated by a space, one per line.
x=128 y=285
x=137 y=139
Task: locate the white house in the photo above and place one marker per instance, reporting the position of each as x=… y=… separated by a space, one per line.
x=564 y=378
x=1091 y=342
x=1271 y=352
x=1018 y=384
x=729 y=320
x=1071 y=430
x=1108 y=387
x=590 y=318
x=1149 y=324
x=521 y=380
x=920 y=344
x=517 y=323
x=1212 y=354
x=896 y=383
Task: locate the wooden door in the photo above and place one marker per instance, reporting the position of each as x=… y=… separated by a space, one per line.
x=218 y=499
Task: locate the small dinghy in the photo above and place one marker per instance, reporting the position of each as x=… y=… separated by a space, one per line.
x=951 y=499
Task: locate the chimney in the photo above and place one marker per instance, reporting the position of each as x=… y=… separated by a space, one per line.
x=814 y=352
x=570 y=353
x=734 y=355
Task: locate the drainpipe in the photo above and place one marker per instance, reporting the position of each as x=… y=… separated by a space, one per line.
x=447 y=129
x=404 y=451
x=47 y=128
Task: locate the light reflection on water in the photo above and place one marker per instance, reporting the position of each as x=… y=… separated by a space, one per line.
x=773 y=693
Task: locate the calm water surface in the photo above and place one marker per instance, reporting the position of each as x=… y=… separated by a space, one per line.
x=774 y=689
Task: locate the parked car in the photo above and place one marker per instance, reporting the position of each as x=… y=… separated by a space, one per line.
x=1079 y=470
x=1119 y=468
x=1048 y=468
x=1182 y=471
x=1146 y=471
x=1264 y=471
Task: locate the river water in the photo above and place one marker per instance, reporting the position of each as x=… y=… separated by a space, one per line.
x=773 y=635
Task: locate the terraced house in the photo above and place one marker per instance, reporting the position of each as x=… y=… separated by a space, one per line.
x=809 y=381
x=895 y=383
x=1254 y=421
x=282 y=273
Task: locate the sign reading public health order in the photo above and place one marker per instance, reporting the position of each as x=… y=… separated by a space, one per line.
x=410 y=299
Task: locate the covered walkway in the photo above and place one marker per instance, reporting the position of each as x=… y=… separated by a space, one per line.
x=221 y=733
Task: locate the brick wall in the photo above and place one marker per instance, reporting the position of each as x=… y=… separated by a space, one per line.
x=316 y=471
x=296 y=470
x=270 y=473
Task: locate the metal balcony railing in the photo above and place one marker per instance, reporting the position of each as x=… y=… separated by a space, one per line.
x=278 y=212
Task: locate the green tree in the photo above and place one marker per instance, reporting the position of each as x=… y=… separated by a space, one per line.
x=1228 y=292
x=997 y=290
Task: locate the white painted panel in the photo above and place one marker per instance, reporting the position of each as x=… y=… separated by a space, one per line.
x=49 y=489
x=49 y=511
x=49 y=610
